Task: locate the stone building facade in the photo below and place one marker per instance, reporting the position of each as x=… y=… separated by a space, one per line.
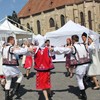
x=47 y=15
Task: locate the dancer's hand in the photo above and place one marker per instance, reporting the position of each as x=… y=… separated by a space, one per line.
x=86 y=46
x=30 y=49
x=70 y=47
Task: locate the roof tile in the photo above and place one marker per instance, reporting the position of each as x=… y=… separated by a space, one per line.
x=37 y=6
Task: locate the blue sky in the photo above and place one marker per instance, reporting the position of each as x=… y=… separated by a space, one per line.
x=7 y=7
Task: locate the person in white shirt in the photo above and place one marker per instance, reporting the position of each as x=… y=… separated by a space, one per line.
x=2 y=78
x=77 y=50
x=84 y=38
x=10 y=64
x=86 y=78
x=94 y=69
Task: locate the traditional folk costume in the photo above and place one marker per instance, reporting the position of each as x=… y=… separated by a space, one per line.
x=81 y=69
x=80 y=52
x=28 y=60
x=2 y=77
x=94 y=68
x=10 y=68
x=1 y=72
x=68 y=56
x=43 y=64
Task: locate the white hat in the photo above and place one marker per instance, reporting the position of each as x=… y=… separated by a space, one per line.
x=93 y=37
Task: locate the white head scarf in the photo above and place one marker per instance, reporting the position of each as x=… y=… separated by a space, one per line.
x=36 y=42
x=95 y=39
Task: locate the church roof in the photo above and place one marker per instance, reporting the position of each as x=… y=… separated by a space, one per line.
x=36 y=6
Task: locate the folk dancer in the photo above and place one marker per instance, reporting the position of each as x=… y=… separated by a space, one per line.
x=77 y=51
x=10 y=64
x=2 y=78
x=86 y=78
x=28 y=59
x=68 y=57
x=94 y=69
x=80 y=54
x=43 y=64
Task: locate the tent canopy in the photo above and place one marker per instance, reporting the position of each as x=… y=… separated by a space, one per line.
x=69 y=28
x=59 y=36
x=7 y=27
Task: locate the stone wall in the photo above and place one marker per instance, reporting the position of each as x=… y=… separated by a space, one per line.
x=70 y=12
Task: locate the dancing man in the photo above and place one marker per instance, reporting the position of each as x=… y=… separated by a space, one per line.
x=10 y=64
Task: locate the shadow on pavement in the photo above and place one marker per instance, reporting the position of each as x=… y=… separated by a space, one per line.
x=32 y=74
x=71 y=89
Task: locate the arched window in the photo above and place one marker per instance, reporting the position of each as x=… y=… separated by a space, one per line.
x=90 y=19
x=28 y=25
x=82 y=18
x=21 y=27
x=62 y=18
x=38 y=27
x=31 y=29
x=52 y=23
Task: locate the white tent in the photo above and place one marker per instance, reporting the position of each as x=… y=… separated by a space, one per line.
x=7 y=28
x=58 y=37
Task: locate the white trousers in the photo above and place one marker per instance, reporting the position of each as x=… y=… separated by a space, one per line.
x=80 y=73
x=9 y=80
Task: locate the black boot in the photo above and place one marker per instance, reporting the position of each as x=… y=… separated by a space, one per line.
x=83 y=95
x=7 y=95
x=85 y=82
x=15 y=90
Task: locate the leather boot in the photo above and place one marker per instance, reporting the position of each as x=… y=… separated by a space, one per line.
x=85 y=82
x=7 y=95
x=15 y=90
x=83 y=95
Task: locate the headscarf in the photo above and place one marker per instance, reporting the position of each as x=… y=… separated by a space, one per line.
x=95 y=39
x=36 y=42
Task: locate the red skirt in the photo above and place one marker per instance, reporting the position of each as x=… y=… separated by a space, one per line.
x=28 y=62
x=67 y=61
x=43 y=80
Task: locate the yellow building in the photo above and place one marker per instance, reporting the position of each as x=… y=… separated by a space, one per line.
x=48 y=15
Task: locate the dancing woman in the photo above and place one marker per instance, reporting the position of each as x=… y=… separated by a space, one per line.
x=68 y=57
x=28 y=60
x=94 y=69
x=43 y=65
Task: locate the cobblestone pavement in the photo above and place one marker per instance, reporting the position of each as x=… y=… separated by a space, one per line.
x=63 y=87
